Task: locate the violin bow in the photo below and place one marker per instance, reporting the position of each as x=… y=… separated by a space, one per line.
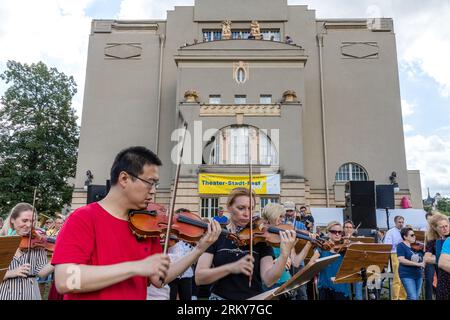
x=250 y=178
x=174 y=194
x=31 y=229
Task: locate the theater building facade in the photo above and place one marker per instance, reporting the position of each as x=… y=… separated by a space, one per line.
x=310 y=111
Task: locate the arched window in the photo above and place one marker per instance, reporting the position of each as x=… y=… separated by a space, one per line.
x=351 y=172
x=231 y=146
x=240 y=75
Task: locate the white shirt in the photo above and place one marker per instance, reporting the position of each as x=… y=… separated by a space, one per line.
x=154 y=293
x=178 y=251
x=393 y=237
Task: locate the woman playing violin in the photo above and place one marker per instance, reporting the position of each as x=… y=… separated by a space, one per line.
x=274 y=213
x=327 y=289
x=228 y=266
x=20 y=282
x=411 y=264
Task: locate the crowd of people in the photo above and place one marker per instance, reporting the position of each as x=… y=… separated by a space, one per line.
x=95 y=245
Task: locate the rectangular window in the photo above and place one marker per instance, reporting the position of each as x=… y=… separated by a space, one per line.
x=271 y=34
x=240 y=99
x=214 y=99
x=265 y=99
x=264 y=201
x=240 y=34
x=211 y=35
x=209 y=208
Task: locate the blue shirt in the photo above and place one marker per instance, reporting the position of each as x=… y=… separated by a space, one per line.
x=285 y=276
x=326 y=274
x=446 y=247
x=405 y=271
x=221 y=220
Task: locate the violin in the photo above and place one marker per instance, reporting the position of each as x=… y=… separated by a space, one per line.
x=38 y=240
x=186 y=226
x=271 y=235
x=418 y=246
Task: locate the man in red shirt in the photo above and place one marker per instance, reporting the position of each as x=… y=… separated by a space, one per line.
x=97 y=256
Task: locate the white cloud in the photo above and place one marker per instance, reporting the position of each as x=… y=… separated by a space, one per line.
x=422 y=30
x=430 y=155
x=407 y=128
x=53 y=31
x=407 y=108
x=149 y=9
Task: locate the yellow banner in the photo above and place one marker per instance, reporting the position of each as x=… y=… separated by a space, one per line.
x=223 y=184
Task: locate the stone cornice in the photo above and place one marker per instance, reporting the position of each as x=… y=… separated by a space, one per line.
x=254 y=110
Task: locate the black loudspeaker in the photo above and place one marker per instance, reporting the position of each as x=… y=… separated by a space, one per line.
x=360 y=193
x=385 y=196
x=95 y=193
x=360 y=204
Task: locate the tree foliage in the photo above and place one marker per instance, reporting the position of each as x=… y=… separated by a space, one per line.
x=38 y=137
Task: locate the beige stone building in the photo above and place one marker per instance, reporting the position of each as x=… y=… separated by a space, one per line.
x=321 y=108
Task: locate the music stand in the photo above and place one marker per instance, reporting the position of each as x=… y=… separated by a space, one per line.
x=8 y=247
x=363 y=239
x=300 y=278
x=359 y=261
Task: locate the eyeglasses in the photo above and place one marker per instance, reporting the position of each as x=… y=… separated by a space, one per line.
x=150 y=184
x=412 y=235
x=335 y=232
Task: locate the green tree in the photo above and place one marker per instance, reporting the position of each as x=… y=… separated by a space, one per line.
x=443 y=205
x=38 y=137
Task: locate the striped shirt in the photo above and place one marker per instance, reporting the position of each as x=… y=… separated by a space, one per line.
x=24 y=288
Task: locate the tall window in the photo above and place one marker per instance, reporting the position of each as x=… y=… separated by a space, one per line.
x=351 y=172
x=214 y=99
x=265 y=99
x=264 y=201
x=240 y=99
x=231 y=146
x=210 y=207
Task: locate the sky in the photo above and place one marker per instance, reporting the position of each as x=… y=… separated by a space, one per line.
x=57 y=33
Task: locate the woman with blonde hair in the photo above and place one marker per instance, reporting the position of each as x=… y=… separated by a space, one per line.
x=229 y=267
x=327 y=289
x=20 y=282
x=438 y=232
x=274 y=213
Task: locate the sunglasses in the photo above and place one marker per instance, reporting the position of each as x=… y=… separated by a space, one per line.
x=412 y=235
x=335 y=232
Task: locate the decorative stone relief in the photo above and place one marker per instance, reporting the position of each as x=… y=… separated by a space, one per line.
x=245 y=110
x=289 y=96
x=123 y=50
x=191 y=96
x=360 y=50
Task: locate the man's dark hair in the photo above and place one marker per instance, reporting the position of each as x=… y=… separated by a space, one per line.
x=132 y=160
x=428 y=214
x=398 y=217
x=404 y=232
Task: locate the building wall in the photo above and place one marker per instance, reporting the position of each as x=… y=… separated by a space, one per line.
x=363 y=121
x=362 y=105
x=120 y=99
